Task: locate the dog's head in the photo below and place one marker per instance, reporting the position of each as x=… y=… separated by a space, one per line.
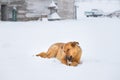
x=70 y=50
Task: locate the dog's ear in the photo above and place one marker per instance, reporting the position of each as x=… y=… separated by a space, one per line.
x=73 y=44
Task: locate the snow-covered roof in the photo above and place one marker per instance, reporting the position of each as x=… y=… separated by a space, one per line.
x=54 y=16
x=52 y=4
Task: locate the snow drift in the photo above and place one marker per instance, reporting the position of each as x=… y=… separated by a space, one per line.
x=98 y=38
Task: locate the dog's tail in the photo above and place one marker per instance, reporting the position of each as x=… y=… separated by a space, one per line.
x=42 y=54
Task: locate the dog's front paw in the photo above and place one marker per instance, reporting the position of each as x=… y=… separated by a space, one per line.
x=73 y=64
x=64 y=61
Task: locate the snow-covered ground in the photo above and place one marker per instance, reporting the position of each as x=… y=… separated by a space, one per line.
x=98 y=37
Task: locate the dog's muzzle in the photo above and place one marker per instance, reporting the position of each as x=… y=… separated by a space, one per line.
x=69 y=60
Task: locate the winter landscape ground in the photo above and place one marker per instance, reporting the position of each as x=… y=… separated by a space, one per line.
x=99 y=39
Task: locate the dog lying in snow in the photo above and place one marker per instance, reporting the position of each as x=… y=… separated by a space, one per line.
x=68 y=53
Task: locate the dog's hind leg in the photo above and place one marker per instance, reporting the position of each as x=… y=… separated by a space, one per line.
x=42 y=54
x=52 y=52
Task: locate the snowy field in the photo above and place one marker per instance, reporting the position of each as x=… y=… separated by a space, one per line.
x=99 y=39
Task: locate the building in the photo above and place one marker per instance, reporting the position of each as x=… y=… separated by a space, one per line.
x=34 y=9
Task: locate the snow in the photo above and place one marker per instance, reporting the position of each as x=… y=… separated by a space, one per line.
x=52 y=4
x=54 y=16
x=98 y=37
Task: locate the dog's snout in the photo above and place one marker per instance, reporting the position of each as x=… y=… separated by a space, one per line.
x=69 y=58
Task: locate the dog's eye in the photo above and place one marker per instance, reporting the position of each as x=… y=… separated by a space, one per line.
x=68 y=50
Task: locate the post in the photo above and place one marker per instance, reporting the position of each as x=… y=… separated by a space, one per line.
x=14 y=14
x=75 y=9
x=75 y=12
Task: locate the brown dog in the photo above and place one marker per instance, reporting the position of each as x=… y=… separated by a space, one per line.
x=68 y=53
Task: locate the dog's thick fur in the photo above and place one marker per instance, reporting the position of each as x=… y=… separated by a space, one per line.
x=68 y=53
